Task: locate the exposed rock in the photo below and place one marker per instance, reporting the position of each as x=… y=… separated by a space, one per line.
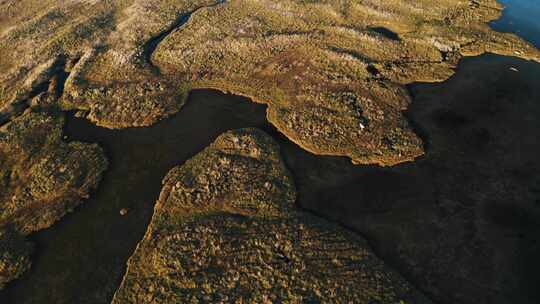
x=41 y=179
x=331 y=72
x=226 y=230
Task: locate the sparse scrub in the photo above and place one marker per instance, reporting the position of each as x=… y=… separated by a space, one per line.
x=282 y=53
x=225 y=230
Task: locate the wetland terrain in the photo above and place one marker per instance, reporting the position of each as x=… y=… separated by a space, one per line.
x=370 y=160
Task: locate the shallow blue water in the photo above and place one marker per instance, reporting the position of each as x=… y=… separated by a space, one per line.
x=521 y=17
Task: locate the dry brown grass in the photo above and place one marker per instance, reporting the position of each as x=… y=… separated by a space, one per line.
x=331 y=71
x=225 y=230
x=41 y=179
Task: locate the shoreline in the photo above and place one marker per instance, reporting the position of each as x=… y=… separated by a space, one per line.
x=412 y=164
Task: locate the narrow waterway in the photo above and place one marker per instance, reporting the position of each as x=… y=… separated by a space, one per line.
x=82 y=258
x=462 y=223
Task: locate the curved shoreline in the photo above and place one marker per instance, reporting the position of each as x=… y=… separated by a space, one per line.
x=404 y=164
x=316 y=176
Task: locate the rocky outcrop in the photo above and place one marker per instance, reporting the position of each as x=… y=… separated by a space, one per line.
x=226 y=230
x=41 y=179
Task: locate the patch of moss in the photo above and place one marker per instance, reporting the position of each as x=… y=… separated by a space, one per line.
x=42 y=179
x=299 y=57
x=226 y=230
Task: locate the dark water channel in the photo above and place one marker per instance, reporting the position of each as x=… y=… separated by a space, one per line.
x=81 y=259
x=462 y=223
